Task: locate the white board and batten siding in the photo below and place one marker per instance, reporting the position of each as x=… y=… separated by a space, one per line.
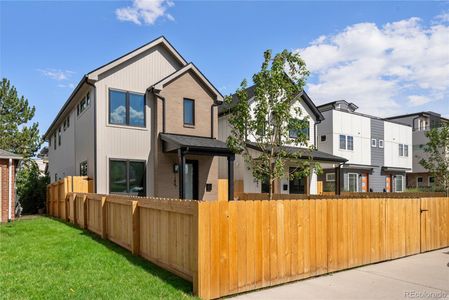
x=396 y=134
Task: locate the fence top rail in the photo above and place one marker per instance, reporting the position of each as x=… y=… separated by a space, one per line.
x=264 y=196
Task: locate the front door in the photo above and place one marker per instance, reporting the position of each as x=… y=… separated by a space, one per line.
x=297 y=185
x=364 y=182
x=388 y=183
x=191 y=180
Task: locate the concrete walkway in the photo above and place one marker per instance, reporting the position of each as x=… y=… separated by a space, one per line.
x=422 y=276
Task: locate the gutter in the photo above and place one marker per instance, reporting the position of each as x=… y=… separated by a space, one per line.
x=215 y=104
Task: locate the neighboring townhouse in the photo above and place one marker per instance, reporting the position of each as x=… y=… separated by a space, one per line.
x=421 y=122
x=379 y=151
x=244 y=180
x=8 y=167
x=143 y=124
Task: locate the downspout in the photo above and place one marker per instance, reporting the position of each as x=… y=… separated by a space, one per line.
x=95 y=133
x=9 y=190
x=216 y=103
x=156 y=94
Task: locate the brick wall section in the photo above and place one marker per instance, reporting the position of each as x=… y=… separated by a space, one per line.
x=4 y=169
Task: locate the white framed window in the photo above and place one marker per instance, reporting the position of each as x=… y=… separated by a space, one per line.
x=373 y=143
x=419 y=181
x=381 y=143
x=353 y=182
x=342 y=142
x=399 y=183
x=330 y=177
x=401 y=149
x=350 y=142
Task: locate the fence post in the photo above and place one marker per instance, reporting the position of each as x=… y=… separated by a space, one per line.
x=103 y=218
x=67 y=207
x=85 y=211
x=74 y=210
x=135 y=242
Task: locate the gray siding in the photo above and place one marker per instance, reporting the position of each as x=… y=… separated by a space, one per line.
x=376 y=180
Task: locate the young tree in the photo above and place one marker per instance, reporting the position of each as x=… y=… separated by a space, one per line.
x=15 y=114
x=270 y=117
x=437 y=150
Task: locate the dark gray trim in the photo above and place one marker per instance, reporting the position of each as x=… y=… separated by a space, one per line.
x=184 y=111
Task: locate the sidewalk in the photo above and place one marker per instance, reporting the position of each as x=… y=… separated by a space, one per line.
x=422 y=276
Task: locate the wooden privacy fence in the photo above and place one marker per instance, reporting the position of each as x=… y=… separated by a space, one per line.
x=225 y=247
x=57 y=191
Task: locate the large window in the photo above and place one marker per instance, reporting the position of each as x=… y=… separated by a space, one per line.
x=127 y=177
x=346 y=142
x=126 y=108
x=189 y=112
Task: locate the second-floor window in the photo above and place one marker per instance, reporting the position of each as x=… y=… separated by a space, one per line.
x=126 y=108
x=189 y=112
x=403 y=150
x=83 y=105
x=381 y=143
x=346 y=142
x=54 y=138
x=59 y=136
x=294 y=133
x=373 y=143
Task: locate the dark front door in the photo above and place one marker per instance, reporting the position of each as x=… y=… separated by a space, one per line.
x=191 y=180
x=297 y=185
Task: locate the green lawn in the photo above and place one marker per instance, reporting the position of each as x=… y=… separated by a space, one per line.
x=45 y=258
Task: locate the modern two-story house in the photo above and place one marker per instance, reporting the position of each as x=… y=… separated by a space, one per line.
x=379 y=151
x=244 y=179
x=421 y=122
x=143 y=124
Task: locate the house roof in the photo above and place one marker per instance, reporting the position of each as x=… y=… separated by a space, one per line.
x=7 y=155
x=418 y=114
x=207 y=145
x=305 y=153
x=92 y=76
x=226 y=108
x=189 y=67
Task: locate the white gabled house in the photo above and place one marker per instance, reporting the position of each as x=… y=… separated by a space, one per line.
x=244 y=180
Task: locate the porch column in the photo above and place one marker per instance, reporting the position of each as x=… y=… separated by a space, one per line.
x=231 y=159
x=337 y=181
x=181 y=166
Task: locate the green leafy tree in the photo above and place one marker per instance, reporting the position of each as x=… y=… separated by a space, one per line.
x=16 y=135
x=31 y=187
x=437 y=158
x=267 y=121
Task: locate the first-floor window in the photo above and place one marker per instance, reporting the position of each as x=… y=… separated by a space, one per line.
x=419 y=181
x=431 y=180
x=352 y=182
x=83 y=168
x=330 y=176
x=127 y=177
x=399 y=183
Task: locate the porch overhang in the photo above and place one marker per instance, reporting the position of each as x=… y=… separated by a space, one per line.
x=395 y=169
x=194 y=145
x=172 y=143
x=305 y=153
x=359 y=167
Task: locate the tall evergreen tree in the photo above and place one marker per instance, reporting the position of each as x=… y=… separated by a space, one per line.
x=16 y=134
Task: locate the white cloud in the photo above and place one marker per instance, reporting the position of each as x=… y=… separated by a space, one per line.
x=416 y=100
x=145 y=11
x=381 y=68
x=56 y=74
x=443 y=17
x=68 y=85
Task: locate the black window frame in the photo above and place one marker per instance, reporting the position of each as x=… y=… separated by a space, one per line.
x=59 y=136
x=127 y=161
x=323 y=138
x=127 y=108
x=184 y=112
x=342 y=137
x=55 y=140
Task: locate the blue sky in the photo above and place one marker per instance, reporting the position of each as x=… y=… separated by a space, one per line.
x=387 y=57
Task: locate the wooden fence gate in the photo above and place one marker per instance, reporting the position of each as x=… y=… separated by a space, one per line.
x=434 y=231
